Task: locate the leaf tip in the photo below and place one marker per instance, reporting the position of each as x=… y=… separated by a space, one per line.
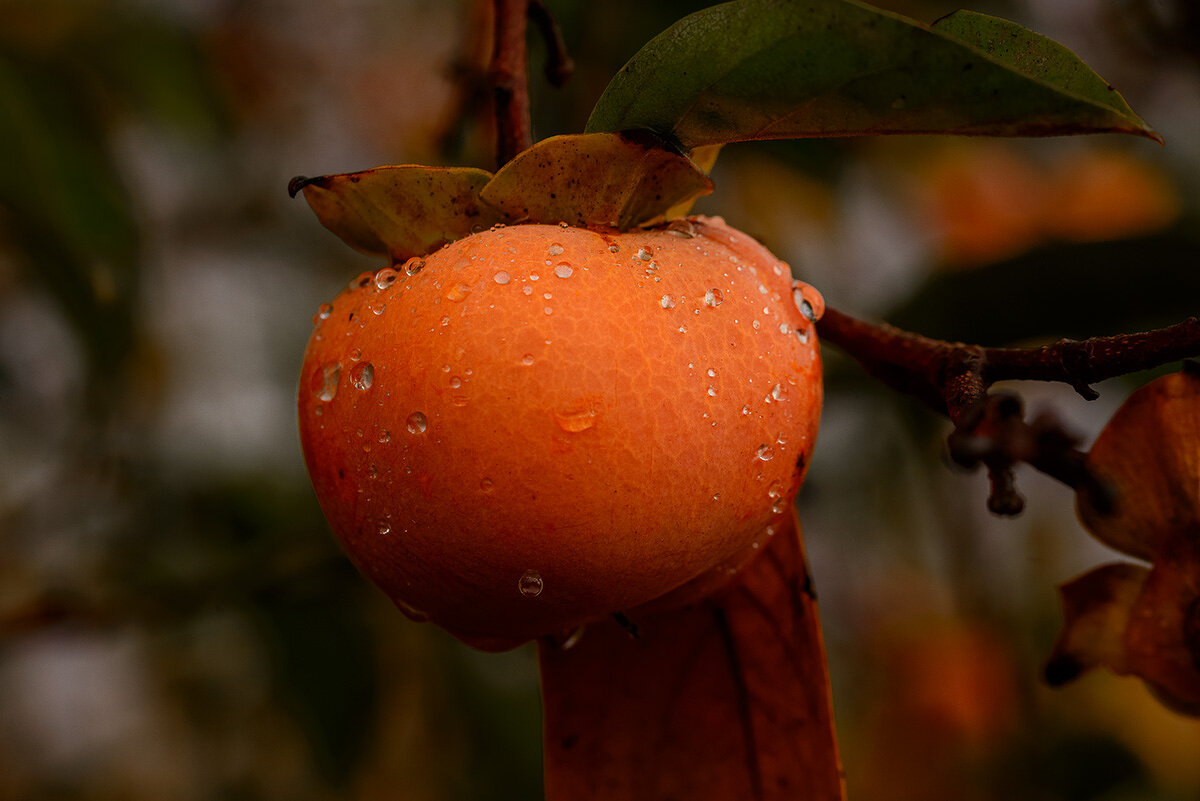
x=297 y=184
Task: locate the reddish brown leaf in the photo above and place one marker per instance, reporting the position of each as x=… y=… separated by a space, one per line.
x=1097 y=608
x=596 y=180
x=1149 y=453
x=724 y=699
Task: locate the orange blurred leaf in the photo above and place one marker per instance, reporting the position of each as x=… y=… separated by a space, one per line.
x=399 y=211
x=1149 y=454
x=589 y=180
x=1096 y=607
x=724 y=699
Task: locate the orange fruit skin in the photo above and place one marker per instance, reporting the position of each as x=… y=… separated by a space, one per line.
x=559 y=423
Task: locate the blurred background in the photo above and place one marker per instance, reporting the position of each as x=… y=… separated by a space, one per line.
x=176 y=621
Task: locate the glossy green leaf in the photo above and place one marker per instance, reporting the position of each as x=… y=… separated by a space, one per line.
x=592 y=180
x=779 y=69
x=401 y=211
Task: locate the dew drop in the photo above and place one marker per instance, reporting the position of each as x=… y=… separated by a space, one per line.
x=784 y=328
x=412 y=613
x=575 y=421
x=548 y=310
x=643 y=254
x=323 y=312
x=455 y=382
x=614 y=249
x=712 y=373
x=362 y=281
x=746 y=409
x=527 y=359
x=417 y=423
x=361 y=375
x=530 y=584
x=563 y=270
x=666 y=302
x=555 y=250
x=682 y=228
x=414 y=266
x=779 y=507
x=765 y=453
x=501 y=277
x=486 y=485
x=713 y=297
x=384 y=529
x=802 y=335
x=385 y=278
x=458 y=293
x=385 y=437
x=775 y=490
x=777 y=392
x=712 y=392
x=527 y=289
x=324 y=382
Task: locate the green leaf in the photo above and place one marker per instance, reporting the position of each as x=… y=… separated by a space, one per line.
x=401 y=211
x=779 y=69
x=593 y=180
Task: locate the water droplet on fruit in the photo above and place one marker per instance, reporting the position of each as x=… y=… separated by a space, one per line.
x=385 y=278
x=414 y=266
x=716 y=496
x=643 y=254
x=712 y=392
x=384 y=529
x=362 y=281
x=682 y=229
x=614 y=249
x=775 y=490
x=412 y=613
x=486 y=485
x=808 y=300
x=777 y=392
x=575 y=421
x=530 y=584
x=385 y=437
x=563 y=270
x=713 y=297
x=501 y=277
x=527 y=359
x=355 y=354
x=527 y=289
x=323 y=312
x=784 y=328
x=779 y=507
x=555 y=250
x=765 y=453
x=802 y=335
x=324 y=382
x=458 y=293
x=746 y=409
x=417 y=423
x=572 y=639
x=712 y=373
x=361 y=375
x=666 y=302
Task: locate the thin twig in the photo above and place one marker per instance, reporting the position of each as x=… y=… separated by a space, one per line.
x=954 y=379
x=559 y=65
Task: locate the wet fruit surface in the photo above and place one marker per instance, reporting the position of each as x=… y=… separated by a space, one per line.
x=537 y=426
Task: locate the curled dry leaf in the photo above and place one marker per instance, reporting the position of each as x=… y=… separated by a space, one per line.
x=601 y=180
x=400 y=211
x=1135 y=620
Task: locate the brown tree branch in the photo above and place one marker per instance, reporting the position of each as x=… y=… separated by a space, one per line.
x=954 y=379
x=509 y=79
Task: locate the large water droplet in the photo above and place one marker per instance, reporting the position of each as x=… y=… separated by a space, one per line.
x=530 y=584
x=643 y=254
x=458 y=293
x=501 y=277
x=486 y=485
x=527 y=359
x=555 y=250
x=666 y=302
x=324 y=381
x=414 y=266
x=417 y=423
x=575 y=421
x=361 y=375
x=614 y=249
x=384 y=529
x=455 y=382
x=323 y=312
x=563 y=270
x=713 y=297
x=385 y=278
x=412 y=613
x=765 y=453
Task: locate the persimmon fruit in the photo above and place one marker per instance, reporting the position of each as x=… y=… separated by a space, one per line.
x=537 y=426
